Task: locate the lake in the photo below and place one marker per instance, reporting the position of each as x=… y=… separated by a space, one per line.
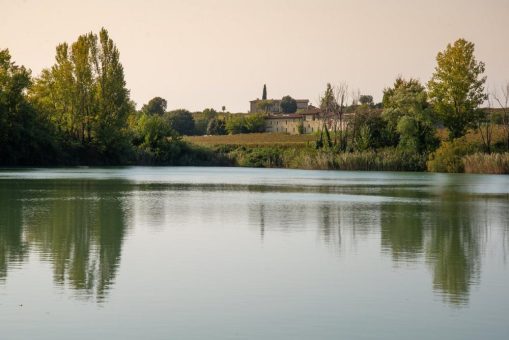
x=236 y=253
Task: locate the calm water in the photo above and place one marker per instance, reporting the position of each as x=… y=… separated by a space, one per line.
x=230 y=253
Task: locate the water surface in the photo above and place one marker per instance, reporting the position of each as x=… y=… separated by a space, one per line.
x=232 y=253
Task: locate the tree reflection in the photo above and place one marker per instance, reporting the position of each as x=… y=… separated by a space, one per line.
x=12 y=247
x=446 y=233
x=453 y=249
x=78 y=226
x=402 y=230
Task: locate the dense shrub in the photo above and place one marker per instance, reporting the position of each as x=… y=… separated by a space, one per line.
x=239 y=123
x=449 y=156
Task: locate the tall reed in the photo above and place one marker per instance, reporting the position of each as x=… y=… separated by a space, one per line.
x=479 y=163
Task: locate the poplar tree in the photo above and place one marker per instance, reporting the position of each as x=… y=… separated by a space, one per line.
x=84 y=93
x=456 y=89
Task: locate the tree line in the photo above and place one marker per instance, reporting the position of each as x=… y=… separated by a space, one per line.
x=79 y=111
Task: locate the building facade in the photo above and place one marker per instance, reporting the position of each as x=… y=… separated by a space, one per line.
x=275 y=107
x=310 y=121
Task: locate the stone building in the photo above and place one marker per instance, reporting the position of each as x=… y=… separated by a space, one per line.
x=309 y=121
x=302 y=104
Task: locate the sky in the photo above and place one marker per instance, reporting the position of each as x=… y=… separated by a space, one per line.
x=209 y=53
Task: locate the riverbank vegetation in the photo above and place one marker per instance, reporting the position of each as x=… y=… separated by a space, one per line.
x=78 y=112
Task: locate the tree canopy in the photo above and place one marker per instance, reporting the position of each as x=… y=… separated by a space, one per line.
x=456 y=88
x=181 y=121
x=409 y=115
x=156 y=105
x=84 y=93
x=25 y=137
x=288 y=104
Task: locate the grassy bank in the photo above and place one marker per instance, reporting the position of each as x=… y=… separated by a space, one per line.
x=271 y=150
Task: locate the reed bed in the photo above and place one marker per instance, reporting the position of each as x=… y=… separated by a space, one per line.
x=479 y=163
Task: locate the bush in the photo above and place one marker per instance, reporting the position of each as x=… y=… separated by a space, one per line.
x=216 y=127
x=245 y=124
x=449 y=156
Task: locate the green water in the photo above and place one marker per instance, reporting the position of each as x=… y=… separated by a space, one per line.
x=230 y=253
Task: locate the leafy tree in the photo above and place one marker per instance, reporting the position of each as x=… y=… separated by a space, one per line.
x=370 y=130
x=156 y=105
x=209 y=113
x=288 y=104
x=181 y=121
x=84 y=94
x=409 y=115
x=456 y=89
x=156 y=140
x=265 y=105
x=255 y=123
x=200 y=126
x=366 y=100
x=239 y=123
x=216 y=127
x=25 y=137
x=264 y=94
x=329 y=107
x=328 y=102
x=235 y=124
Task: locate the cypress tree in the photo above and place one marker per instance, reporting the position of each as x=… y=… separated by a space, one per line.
x=264 y=94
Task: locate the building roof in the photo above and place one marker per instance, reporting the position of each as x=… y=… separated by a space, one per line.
x=285 y=116
x=278 y=100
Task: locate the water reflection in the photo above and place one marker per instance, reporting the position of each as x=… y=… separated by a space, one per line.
x=77 y=226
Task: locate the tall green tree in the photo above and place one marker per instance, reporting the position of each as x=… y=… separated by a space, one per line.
x=156 y=105
x=84 y=94
x=366 y=99
x=181 y=121
x=25 y=137
x=264 y=93
x=328 y=102
x=409 y=115
x=456 y=88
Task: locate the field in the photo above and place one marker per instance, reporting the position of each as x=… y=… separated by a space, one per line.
x=253 y=139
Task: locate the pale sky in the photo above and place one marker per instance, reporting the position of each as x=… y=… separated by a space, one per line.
x=209 y=53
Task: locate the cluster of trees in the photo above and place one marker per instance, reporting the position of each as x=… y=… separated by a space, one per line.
x=411 y=112
x=78 y=111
